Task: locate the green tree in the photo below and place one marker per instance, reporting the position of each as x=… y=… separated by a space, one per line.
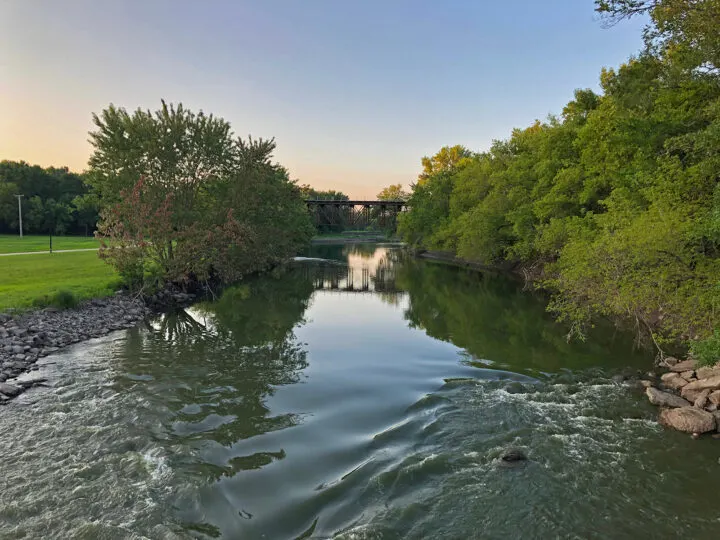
x=308 y=192
x=613 y=206
x=49 y=216
x=447 y=159
x=87 y=208
x=56 y=183
x=683 y=31
x=177 y=152
x=393 y=192
x=191 y=201
x=8 y=205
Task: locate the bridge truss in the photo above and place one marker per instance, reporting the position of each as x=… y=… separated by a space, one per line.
x=336 y=215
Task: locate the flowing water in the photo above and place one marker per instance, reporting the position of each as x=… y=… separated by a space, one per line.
x=357 y=396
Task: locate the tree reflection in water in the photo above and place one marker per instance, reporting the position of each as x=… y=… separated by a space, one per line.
x=493 y=318
x=212 y=368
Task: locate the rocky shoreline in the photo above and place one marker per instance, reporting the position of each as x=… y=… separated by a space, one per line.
x=688 y=397
x=27 y=337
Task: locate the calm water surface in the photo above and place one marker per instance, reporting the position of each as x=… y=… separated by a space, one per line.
x=359 y=396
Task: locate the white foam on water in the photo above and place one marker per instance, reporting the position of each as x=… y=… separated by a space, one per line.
x=156 y=464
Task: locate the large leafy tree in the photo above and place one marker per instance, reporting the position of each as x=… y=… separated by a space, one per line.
x=176 y=151
x=187 y=200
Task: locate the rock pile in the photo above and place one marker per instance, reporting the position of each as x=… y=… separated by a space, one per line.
x=689 y=396
x=26 y=338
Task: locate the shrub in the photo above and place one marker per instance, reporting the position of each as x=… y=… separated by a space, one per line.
x=62 y=299
x=707 y=351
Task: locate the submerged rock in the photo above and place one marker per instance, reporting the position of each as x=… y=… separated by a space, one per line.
x=688 y=420
x=512 y=457
x=665 y=399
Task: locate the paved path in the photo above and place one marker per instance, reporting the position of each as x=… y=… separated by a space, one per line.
x=47 y=252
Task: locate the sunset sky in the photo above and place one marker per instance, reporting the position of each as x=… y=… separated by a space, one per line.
x=355 y=93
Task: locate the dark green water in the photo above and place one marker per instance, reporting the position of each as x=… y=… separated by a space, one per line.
x=294 y=408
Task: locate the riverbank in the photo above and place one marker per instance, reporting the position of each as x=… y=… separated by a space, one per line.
x=340 y=239
x=688 y=396
x=26 y=338
x=450 y=258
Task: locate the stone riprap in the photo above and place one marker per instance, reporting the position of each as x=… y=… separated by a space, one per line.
x=696 y=409
x=27 y=337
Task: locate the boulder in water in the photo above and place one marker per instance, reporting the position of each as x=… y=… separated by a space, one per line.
x=512 y=457
x=665 y=399
x=688 y=420
x=9 y=390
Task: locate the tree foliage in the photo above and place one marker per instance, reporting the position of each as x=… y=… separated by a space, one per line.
x=186 y=200
x=39 y=186
x=615 y=204
x=394 y=192
x=308 y=192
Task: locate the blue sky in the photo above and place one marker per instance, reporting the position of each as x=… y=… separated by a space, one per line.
x=354 y=92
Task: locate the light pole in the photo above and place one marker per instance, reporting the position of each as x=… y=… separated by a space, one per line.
x=20 y=212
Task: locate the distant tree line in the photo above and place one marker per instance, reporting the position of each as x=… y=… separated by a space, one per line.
x=614 y=205
x=53 y=198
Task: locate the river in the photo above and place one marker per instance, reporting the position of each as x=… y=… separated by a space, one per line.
x=358 y=395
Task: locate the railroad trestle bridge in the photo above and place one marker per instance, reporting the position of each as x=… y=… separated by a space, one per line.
x=338 y=215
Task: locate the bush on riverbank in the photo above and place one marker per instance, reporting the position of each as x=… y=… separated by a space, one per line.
x=185 y=200
x=615 y=204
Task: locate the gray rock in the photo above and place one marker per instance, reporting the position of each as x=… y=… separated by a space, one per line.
x=665 y=399
x=688 y=420
x=9 y=389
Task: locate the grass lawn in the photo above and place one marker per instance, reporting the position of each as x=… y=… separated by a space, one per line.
x=27 y=280
x=15 y=244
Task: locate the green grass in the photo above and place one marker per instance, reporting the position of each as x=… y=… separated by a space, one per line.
x=15 y=244
x=35 y=280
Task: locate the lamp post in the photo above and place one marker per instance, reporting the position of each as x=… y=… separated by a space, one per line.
x=19 y=197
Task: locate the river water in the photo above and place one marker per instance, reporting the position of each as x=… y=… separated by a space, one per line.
x=358 y=395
